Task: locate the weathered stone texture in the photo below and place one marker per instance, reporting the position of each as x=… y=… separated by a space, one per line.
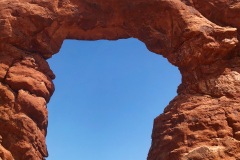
x=200 y=37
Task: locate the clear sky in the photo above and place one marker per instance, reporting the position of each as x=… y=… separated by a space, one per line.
x=107 y=96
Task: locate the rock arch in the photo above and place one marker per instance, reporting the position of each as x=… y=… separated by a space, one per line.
x=201 y=122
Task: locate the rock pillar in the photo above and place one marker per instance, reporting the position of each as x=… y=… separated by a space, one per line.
x=25 y=88
x=202 y=122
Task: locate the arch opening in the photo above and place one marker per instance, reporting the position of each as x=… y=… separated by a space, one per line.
x=107 y=95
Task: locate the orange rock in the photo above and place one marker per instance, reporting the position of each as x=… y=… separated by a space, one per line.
x=198 y=36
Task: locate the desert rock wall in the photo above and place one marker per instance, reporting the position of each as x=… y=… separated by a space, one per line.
x=200 y=37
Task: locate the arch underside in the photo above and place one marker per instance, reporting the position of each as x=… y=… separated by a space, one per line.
x=200 y=37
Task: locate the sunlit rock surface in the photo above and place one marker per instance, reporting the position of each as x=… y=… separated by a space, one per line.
x=198 y=36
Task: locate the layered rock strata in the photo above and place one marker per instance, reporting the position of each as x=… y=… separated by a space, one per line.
x=25 y=88
x=200 y=37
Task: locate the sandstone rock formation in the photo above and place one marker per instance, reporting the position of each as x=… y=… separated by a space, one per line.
x=198 y=36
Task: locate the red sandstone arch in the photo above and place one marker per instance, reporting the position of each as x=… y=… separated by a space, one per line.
x=200 y=37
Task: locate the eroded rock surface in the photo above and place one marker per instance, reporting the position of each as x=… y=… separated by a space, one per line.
x=198 y=36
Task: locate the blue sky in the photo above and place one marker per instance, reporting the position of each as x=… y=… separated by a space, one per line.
x=107 y=96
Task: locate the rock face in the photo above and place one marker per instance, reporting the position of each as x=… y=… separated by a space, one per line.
x=200 y=37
